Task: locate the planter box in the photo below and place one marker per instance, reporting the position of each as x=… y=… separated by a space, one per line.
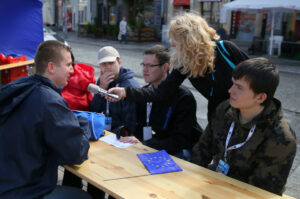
x=147 y=34
x=82 y=30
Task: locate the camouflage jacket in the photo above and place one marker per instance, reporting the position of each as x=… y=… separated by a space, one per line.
x=266 y=158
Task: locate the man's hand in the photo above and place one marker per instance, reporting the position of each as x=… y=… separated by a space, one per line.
x=129 y=139
x=106 y=79
x=117 y=91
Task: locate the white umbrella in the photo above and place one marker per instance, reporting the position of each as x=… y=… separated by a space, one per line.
x=274 y=5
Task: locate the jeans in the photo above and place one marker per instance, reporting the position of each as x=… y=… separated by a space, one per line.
x=62 y=192
x=185 y=154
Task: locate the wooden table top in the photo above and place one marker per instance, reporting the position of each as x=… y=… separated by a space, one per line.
x=14 y=65
x=120 y=173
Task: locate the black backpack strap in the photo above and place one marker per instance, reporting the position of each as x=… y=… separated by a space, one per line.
x=225 y=54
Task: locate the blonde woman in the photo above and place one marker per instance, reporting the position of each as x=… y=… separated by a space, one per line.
x=199 y=57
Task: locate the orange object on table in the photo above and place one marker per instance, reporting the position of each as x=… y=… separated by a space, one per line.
x=12 y=74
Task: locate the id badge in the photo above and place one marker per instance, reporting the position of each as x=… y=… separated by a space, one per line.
x=147 y=133
x=223 y=167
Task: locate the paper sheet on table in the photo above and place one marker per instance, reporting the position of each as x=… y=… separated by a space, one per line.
x=113 y=140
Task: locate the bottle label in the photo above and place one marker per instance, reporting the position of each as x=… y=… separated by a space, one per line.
x=108 y=121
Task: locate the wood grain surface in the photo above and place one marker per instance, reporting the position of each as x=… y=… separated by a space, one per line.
x=14 y=65
x=120 y=173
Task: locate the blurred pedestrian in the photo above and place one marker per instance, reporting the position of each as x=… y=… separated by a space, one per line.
x=221 y=32
x=123 y=30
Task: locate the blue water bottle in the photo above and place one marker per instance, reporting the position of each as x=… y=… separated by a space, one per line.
x=108 y=121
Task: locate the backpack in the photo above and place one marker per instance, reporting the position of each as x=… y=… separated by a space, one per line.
x=226 y=55
x=221 y=48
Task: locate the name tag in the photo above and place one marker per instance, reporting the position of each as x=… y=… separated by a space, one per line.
x=223 y=167
x=147 y=133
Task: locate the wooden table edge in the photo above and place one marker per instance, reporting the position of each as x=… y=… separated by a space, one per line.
x=18 y=64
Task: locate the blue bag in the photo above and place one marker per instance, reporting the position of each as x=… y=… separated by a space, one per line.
x=97 y=122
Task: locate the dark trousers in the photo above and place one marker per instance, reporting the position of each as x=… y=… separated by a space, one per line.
x=123 y=38
x=73 y=181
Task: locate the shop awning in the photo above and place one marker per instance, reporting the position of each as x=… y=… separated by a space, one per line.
x=181 y=2
x=271 y=5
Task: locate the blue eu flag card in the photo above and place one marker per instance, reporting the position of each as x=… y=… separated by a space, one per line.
x=158 y=162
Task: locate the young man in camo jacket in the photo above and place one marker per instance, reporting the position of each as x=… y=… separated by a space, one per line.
x=248 y=137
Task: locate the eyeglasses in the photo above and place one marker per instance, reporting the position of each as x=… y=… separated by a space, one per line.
x=148 y=66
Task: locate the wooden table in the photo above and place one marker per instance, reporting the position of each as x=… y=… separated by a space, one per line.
x=121 y=174
x=14 y=65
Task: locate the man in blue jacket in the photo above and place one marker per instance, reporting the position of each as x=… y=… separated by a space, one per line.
x=112 y=74
x=117 y=114
x=38 y=132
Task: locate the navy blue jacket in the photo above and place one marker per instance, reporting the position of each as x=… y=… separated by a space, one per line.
x=122 y=112
x=38 y=132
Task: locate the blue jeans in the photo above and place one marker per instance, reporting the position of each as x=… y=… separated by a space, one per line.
x=62 y=192
x=185 y=154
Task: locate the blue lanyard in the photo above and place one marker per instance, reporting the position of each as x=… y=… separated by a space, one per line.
x=212 y=88
x=149 y=107
x=107 y=104
x=167 y=118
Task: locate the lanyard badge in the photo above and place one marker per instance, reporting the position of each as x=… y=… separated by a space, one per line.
x=147 y=130
x=223 y=167
x=108 y=119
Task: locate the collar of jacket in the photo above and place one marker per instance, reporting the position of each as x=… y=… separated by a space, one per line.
x=271 y=113
x=46 y=81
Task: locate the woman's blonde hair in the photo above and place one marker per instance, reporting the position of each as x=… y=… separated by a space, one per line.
x=195 y=45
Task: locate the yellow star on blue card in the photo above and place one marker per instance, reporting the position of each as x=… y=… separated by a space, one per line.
x=158 y=162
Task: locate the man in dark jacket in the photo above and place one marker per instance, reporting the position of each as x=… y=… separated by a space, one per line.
x=170 y=124
x=249 y=137
x=38 y=132
x=117 y=114
x=111 y=75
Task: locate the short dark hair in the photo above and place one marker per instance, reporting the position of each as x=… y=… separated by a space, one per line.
x=49 y=51
x=161 y=53
x=262 y=75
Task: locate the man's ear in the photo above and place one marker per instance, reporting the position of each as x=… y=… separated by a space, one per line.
x=119 y=60
x=166 y=67
x=50 y=68
x=261 y=97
